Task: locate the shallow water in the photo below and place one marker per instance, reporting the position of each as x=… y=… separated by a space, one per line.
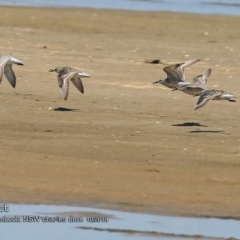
x=228 y=7
x=112 y=224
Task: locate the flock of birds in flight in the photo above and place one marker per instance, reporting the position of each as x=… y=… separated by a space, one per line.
x=175 y=80
x=65 y=74
x=198 y=87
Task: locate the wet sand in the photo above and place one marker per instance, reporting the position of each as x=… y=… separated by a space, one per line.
x=129 y=144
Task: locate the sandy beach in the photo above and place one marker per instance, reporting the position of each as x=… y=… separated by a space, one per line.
x=128 y=144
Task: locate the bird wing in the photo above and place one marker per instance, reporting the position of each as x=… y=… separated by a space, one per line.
x=63 y=82
x=182 y=66
x=203 y=99
x=175 y=72
x=78 y=83
x=173 y=75
x=10 y=74
x=3 y=60
x=201 y=80
x=189 y=63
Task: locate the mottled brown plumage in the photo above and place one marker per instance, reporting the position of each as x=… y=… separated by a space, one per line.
x=64 y=75
x=213 y=94
x=175 y=74
x=198 y=84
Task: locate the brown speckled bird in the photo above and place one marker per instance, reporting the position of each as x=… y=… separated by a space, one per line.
x=175 y=74
x=67 y=73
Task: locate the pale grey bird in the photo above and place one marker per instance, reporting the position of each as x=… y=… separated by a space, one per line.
x=213 y=94
x=198 y=84
x=6 y=62
x=175 y=74
x=67 y=73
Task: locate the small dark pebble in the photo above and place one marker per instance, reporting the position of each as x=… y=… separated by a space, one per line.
x=153 y=61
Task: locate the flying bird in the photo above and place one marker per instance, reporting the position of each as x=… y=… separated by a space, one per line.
x=65 y=74
x=213 y=94
x=175 y=74
x=6 y=62
x=198 y=84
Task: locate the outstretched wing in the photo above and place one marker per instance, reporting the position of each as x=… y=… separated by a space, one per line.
x=182 y=66
x=10 y=74
x=175 y=72
x=63 y=82
x=78 y=83
x=201 y=80
x=3 y=61
x=203 y=99
x=189 y=63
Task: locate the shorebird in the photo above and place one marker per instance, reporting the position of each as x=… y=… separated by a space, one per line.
x=213 y=94
x=6 y=62
x=175 y=74
x=67 y=73
x=197 y=86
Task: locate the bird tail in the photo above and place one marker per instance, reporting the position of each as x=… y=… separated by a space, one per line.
x=15 y=61
x=83 y=74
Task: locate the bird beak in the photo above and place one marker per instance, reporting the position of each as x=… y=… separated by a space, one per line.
x=51 y=70
x=83 y=74
x=155 y=82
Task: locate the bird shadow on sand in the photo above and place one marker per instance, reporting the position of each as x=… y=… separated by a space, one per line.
x=63 y=109
x=209 y=131
x=196 y=124
x=189 y=124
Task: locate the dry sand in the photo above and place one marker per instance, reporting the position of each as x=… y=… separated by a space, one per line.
x=126 y=146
